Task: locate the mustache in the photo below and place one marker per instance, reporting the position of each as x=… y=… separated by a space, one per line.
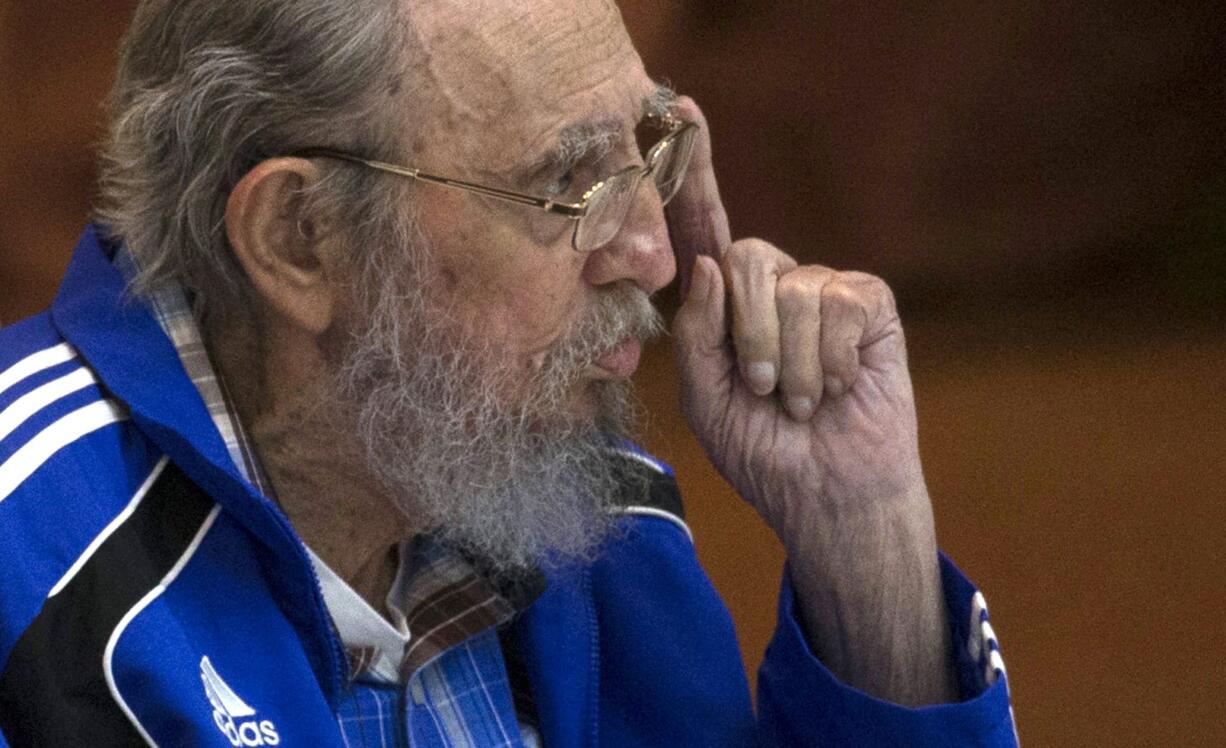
x=617 y=313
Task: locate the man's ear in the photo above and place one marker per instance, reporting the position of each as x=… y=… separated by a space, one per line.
x=279 y=246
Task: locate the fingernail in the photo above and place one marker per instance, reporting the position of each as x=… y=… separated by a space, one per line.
x=833 y=386
x=761 y=377
x=800 y=407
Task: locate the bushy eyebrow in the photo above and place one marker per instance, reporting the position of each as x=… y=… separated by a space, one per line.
x=584 y=142
x=592 y=140
x=661 y=101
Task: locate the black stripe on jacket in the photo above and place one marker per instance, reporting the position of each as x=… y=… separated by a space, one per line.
x=53 y=691
x=643 y=486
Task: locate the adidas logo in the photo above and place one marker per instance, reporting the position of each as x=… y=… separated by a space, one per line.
x=229 y=712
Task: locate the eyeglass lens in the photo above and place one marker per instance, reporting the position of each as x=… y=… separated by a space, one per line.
x=608 y=206
x=606 y=210
x=670 y=170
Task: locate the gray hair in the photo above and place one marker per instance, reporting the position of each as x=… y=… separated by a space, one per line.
x=206 y=89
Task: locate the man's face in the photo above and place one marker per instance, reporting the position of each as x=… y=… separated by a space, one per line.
x=504 y=86
x=488 y=372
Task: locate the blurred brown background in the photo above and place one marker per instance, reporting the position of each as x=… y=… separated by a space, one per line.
x=1045 y=187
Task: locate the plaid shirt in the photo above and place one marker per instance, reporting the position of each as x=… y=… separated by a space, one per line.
x=453 y=688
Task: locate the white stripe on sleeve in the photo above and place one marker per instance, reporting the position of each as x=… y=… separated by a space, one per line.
x=34 y=363
x=40 y=397
x=31 y=456
x=974 y=643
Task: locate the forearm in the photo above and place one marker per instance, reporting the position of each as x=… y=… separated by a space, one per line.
x=870 y=597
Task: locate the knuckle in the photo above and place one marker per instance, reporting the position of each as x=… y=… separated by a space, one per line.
x=846 y=312
x=873 y=285
x=758 y=247
x=841 y=295
x=799 y=292
x=793 y=301
x=737 y=252
x=753 y=251
x=757 y=258
x=860 y=278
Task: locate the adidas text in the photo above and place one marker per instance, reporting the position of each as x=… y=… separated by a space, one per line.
x=231 y=713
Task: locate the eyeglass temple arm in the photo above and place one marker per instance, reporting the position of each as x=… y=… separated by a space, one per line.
x=571 y=210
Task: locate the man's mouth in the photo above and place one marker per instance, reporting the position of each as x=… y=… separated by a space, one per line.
x=622 y=360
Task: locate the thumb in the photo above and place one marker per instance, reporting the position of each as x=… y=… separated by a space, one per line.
x=700 y=334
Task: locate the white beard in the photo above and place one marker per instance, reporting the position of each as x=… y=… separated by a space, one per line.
x=517 y=484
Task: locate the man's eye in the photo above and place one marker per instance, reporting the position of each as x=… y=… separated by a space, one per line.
x=563 y=183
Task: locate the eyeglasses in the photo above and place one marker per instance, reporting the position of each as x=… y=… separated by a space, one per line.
x=600 y=213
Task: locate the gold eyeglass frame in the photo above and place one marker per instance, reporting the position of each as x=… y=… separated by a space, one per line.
x=574 y=211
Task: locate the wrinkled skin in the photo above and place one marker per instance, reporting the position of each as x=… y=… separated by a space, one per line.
x=499 y=80
x=826 y=449
x=838 y=478
x=794 y=378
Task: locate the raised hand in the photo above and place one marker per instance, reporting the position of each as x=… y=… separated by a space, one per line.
x=794 y=379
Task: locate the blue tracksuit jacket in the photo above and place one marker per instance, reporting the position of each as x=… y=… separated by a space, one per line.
x=137 y=564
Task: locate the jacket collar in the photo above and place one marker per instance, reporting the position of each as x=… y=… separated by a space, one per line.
x=122 y=342
x=119 y=337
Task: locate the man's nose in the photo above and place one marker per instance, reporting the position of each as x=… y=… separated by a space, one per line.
x=640 y=251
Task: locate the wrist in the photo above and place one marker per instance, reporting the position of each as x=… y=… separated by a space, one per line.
x=873 y=610
x=869 y=595
x=841 y=528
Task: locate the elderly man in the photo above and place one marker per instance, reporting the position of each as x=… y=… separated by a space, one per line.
x=325 y=439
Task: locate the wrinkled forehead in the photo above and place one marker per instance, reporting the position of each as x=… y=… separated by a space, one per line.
x=505 y=76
